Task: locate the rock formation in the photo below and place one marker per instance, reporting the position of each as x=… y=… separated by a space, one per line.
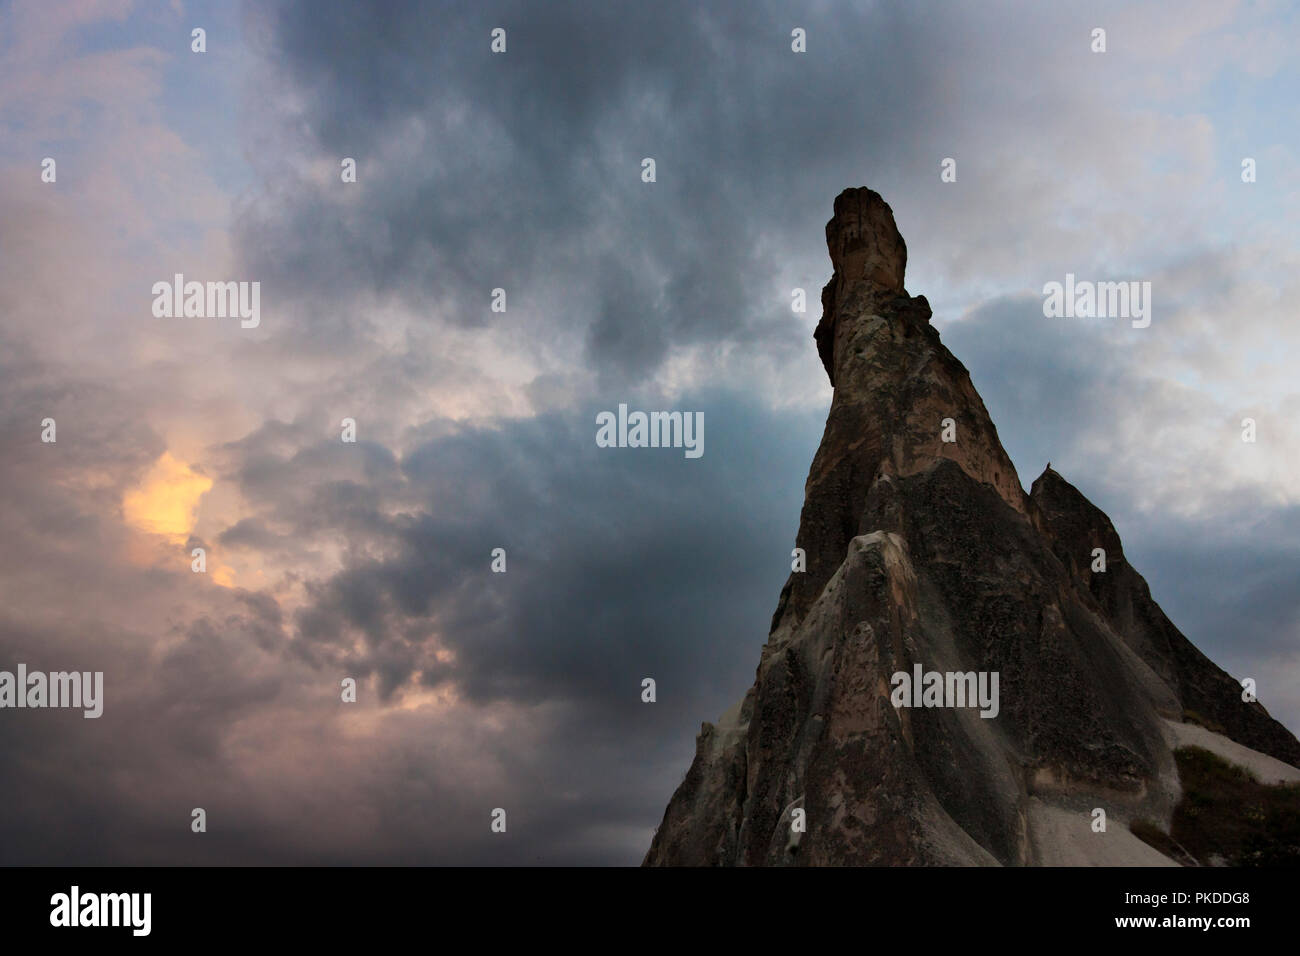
x=928 y=552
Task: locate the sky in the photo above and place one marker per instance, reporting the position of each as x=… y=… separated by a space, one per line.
x=475 y=429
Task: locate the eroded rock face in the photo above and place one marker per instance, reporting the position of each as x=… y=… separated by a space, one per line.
x=921 y=551
x=1075 y=527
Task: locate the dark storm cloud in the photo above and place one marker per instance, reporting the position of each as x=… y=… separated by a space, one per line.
x=623 y=564
x=522 y=170
x=617 y=559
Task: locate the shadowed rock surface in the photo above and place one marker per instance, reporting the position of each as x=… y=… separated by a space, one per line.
x=921 y=551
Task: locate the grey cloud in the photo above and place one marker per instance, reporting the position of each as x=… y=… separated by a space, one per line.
x=522 y=170
x=622 y=564
x=615 y=557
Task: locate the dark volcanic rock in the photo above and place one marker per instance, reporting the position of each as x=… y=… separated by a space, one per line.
x=928 y=552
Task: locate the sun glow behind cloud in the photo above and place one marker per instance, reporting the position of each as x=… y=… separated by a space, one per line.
x=167 y=499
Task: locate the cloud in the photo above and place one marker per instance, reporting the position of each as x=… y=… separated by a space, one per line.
x=519 y=690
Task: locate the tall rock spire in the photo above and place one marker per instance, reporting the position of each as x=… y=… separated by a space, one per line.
x=925 y=555
x=902 y=401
